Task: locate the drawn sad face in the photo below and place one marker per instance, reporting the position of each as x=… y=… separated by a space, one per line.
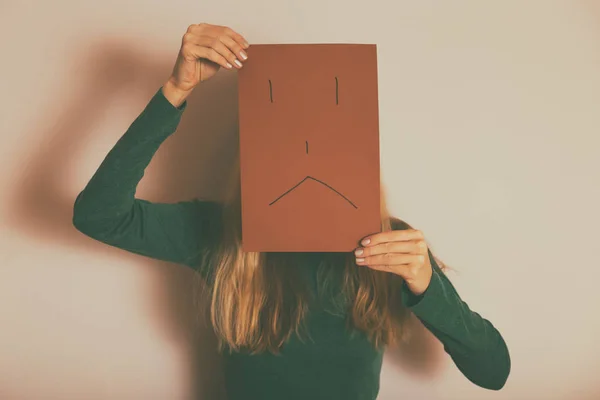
x=309 y=147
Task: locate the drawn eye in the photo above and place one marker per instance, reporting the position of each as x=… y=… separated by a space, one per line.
x=336 y=91
x=271 y=90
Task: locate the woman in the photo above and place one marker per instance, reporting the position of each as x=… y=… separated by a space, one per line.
x=295 y=325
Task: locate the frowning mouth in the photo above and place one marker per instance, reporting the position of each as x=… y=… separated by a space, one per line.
x=318 y=181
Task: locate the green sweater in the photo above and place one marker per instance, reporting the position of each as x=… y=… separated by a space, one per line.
x=335 y=364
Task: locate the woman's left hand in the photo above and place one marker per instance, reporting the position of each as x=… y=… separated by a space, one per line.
x=401 y=252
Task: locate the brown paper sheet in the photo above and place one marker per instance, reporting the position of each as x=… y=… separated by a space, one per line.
x=309 y=147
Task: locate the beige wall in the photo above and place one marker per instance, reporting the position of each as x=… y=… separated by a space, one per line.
x=490 y=124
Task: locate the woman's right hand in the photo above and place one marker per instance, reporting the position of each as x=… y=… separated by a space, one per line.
x=204 y=49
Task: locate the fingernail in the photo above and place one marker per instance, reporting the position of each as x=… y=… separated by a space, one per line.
x=238 y=63
x=359 y=252
x=246 y=44
x=243 y=55
x=229 y=65
x=366 y=242
x=360 y=260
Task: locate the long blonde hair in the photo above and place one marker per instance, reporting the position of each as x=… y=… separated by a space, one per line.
x=257 y=301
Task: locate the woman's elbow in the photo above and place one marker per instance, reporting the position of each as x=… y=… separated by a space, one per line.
x=498 y=370
x=503 y=371
x=488 y=368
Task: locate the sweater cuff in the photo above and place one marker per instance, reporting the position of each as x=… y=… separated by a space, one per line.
x=166 y=104
x=427 y=303
x=160 y=113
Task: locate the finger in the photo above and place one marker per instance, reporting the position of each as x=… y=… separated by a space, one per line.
x=211 y=54
x=392 y=236
x=391 y=259
x=400 y=270
x=412 y=246
x=195 y=47
x=383 y=267
x=216 y=30
x=234 y=47
x=216 y=44
x=241 y=41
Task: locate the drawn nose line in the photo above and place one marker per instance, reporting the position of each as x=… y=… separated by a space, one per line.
x=306 y=147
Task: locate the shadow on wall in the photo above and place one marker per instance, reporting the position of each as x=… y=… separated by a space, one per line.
x=192 y=163
x=421 y=355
